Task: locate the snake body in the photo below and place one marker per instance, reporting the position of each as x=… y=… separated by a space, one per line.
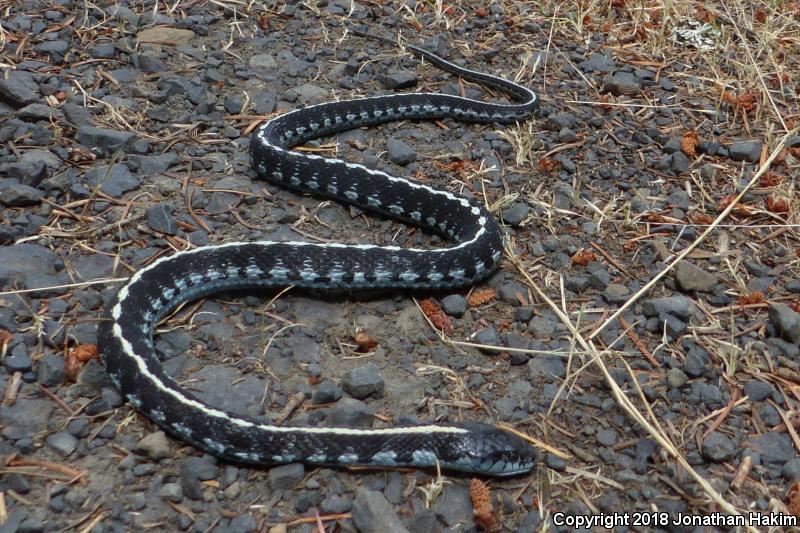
x=126 y=336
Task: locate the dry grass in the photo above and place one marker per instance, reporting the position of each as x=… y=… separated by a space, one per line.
x=747 y=85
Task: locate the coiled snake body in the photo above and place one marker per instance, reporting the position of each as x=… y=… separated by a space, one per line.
x=126 y=337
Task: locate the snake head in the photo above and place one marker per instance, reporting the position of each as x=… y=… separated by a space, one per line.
x=491 y=451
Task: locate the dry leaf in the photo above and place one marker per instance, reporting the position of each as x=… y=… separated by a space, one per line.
x=770 y=179
x=777 y=204
x=483 y=511
x=548 y=164
x=583 y=257
x=481 y=296
x=689 y=143
x=364 y=341
x=700 y=218
x=793 y=498
x=77 y=357
x=755 y=297
x=436 y=315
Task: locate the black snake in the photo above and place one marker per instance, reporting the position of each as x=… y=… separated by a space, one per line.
x=126 y=336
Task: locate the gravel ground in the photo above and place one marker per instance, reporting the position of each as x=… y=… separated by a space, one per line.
x=125 y=130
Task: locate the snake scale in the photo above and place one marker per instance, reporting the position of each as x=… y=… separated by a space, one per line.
x=126 y=335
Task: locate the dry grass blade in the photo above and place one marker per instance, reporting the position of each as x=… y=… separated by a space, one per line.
x=622 y=400
x=689 y=249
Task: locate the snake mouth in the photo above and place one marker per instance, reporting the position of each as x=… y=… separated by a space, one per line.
x=491 y=451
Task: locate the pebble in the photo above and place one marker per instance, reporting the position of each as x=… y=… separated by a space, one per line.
x=623 y=83
x=718 y=447
x=424 y=521
x=616 y=293
x=286 y=477
x=774 y=448
x=749 y=151
x=363 y=382
x=516 y=214
x=349 y=412
x=692 y=278
x=21 y=362
x=786 y=321
x=29 y=173
x=114 y=181
x=154 y=446
x=758 y=390
x=454 y=305
x=16 y=90
x=607 y=437
x=555 y=462
x=62 y=442
x=678 y=306
x=397 y=81
x=103 y=140
x=326 y=392
x=172 y=492
x=487 y=336
x=454 y=506
x=372 y=513
x=19 y=195
x=399 y=152
x=791 y=469
x=676 y=378
x=159 y=218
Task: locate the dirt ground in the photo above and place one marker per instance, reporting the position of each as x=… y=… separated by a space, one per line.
x=643 y=330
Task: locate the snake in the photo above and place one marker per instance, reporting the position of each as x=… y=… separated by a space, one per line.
x=126 y=331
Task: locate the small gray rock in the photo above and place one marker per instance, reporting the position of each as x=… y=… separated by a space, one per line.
x=34 y=112
x=424 y=521
x=62 y=442
x=27 y=172
x=397 y=81
x=286 y=477
x=363 y=382
x=263 y=61
x=155 y=446
x=774 y=448
x=19 y=195
x=516 y=214
x=399 y=152
x=487 y=336
x=114 y=181
x=791 y=470
x=326 y=392
x=372 y=513
x=607 y=437
x=786 y=321
x=677 y=306
x=555 y=462
x=16 y=91
x=159 y=218
x=172 y=492
x=676 y=378
x=757 y=390
x=690 y=278
x=454 y=305
x=18 y=362
x=104 y=140
x=623 y=83
x=718 y=447
x=264 y=102
x=749 y=151
x=50 y=371
x=351 y=413
x=616 y=293
x=549 y=367
x=454 y=506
